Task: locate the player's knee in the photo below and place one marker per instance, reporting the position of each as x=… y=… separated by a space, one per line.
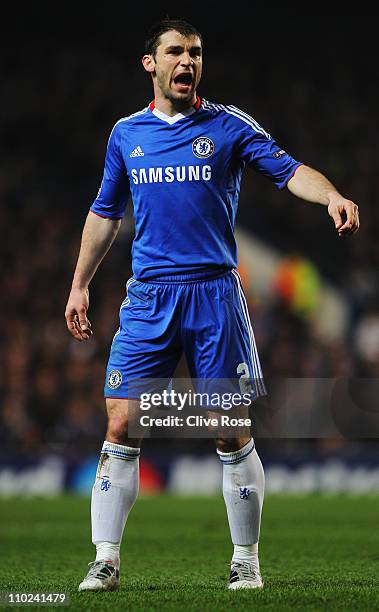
x=117 y=431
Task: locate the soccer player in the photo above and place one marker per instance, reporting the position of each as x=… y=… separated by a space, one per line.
x=181 y=158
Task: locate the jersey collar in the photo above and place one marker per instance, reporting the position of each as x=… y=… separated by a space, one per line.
x=178 y=116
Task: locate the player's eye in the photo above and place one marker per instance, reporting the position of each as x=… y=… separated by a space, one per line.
x=174 y=51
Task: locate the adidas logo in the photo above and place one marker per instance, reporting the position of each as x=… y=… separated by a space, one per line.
x=137 y=152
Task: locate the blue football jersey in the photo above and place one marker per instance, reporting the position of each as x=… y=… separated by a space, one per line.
x=184 y=176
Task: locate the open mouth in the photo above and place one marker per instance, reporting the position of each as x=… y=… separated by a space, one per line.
x=183 y=80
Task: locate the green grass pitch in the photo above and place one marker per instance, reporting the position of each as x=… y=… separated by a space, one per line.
x=316 y=552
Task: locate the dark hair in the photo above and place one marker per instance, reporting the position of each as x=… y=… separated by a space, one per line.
x=165 y=25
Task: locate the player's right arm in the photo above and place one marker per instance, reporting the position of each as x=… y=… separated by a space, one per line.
x=100 y=230
x=98 y=236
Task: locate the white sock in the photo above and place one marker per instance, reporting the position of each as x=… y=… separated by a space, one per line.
x=106 y=551
x=113 y=495
x=246 y=554
x=243 y=490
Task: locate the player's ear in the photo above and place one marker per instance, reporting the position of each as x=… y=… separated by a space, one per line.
x=148 y=63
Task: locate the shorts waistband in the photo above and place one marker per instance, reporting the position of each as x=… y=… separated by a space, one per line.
x=193 y=277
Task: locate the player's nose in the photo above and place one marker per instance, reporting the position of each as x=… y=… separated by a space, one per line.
x=186 y=59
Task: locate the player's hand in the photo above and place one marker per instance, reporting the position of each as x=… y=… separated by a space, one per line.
x=345 y=216
x=76 y=314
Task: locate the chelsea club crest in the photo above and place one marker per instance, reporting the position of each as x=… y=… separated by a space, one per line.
x=114 y=379
x=203 y=147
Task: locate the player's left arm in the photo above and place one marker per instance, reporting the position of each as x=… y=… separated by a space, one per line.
x=312 y=186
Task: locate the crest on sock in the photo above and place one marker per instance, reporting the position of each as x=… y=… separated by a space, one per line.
x=244 y=493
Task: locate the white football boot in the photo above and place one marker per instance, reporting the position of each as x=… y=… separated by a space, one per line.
x=102 y=576
x=244 y=576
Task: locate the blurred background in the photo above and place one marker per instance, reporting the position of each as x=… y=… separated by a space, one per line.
x=66 y=78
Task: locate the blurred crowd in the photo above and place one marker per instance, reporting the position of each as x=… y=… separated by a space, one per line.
x=59 y=108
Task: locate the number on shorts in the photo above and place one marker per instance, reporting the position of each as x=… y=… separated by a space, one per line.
x=245 y=380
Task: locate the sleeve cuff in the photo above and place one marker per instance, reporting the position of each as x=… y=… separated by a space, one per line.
x=103 y=216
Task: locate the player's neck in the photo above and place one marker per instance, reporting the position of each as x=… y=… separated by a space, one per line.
x=172 y=108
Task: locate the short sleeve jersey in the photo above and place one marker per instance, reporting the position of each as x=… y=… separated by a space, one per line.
x=184 y=175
